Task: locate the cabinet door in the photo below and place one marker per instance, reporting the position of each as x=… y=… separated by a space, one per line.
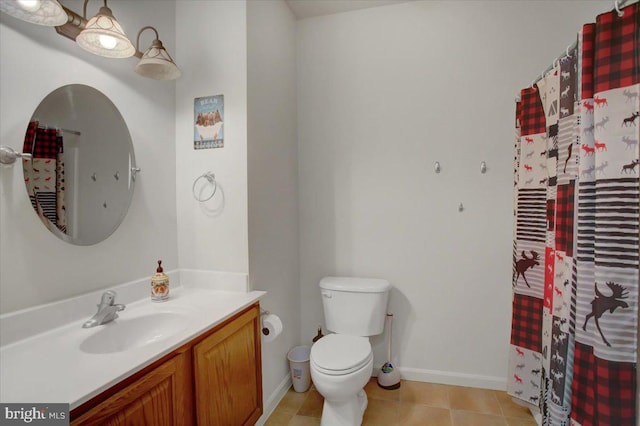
x=161 y=397
x=228 y=373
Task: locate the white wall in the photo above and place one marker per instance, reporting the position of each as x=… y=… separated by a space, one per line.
x=212 y=50
x=383 y=93
x=35 y=266
x=273 y=176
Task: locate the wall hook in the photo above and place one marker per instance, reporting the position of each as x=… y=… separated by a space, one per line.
x=134 y=173
x=483 y=167
x=436 y=167
x=460 y=207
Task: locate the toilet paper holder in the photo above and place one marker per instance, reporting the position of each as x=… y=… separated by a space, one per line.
x=271 y=325
x=264 y=312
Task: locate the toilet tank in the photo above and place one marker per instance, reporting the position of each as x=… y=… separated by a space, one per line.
x=355 y=306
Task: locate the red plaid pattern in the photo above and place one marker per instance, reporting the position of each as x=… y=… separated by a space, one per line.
x=29 y=137
x=564 y=217
x=47 y=144
x=617 y=49
x=588 y=57
x=526 y=324
x=582 y=391
x=532 y=119
x=603 y=392
x=551 y=214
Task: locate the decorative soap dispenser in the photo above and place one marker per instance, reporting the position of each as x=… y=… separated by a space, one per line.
x=159 y=285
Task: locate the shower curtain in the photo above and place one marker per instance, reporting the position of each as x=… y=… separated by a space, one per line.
x=44 y=173
x=573 y=349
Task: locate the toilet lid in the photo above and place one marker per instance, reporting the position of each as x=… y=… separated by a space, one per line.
x=338 y=354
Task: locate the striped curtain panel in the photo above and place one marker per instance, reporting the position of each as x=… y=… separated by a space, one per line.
x=574 y=345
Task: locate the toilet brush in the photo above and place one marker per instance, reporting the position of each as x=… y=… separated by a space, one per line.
x=389 y=377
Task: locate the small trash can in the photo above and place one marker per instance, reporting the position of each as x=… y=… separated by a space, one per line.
x=298 y=358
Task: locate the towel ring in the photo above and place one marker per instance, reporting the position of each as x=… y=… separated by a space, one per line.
x=617 y=6
x=211 y=178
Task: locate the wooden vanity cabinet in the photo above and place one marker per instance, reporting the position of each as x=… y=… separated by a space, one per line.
x=160 y=397
x=216 y=379
x=227 y=366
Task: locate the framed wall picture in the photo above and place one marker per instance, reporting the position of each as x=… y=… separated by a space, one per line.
x=208 y=122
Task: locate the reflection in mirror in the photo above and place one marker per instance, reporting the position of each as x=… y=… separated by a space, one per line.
x=81 y=176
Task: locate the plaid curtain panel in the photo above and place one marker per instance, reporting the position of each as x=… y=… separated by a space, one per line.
x=551 y=215
x=47 y=144
x=526 y=329
x=603 y=391
x=583 y=392
x=617 y=41
x=564 y=218
x=588 y=59
x=29 y=137
x=532 y=119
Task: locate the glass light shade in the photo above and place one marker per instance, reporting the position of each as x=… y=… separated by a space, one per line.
x=41 y=12
x=104 y=36
x=157 y=63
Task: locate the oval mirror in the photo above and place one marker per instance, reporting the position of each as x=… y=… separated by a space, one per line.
x=81 y=174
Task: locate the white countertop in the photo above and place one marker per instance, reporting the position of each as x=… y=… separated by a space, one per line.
x=51 y=367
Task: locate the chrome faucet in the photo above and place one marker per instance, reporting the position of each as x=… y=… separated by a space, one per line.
x=107 y=310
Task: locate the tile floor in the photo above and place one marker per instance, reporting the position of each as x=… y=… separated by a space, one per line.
x=415 y=403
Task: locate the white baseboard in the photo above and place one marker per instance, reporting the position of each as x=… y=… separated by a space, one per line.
x=450 y=378
x=274 y=399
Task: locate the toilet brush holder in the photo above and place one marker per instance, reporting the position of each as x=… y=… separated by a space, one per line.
x=389 y=376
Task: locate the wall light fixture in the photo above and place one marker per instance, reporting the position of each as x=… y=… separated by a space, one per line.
x=41 y=12
x=156 y=61
x=101 y=35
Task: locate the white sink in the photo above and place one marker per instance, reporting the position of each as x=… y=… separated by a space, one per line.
x=124 y=334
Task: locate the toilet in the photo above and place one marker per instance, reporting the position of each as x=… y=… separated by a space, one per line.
x=342 y=363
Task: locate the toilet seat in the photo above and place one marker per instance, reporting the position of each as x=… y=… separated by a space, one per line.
x=340 y=354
